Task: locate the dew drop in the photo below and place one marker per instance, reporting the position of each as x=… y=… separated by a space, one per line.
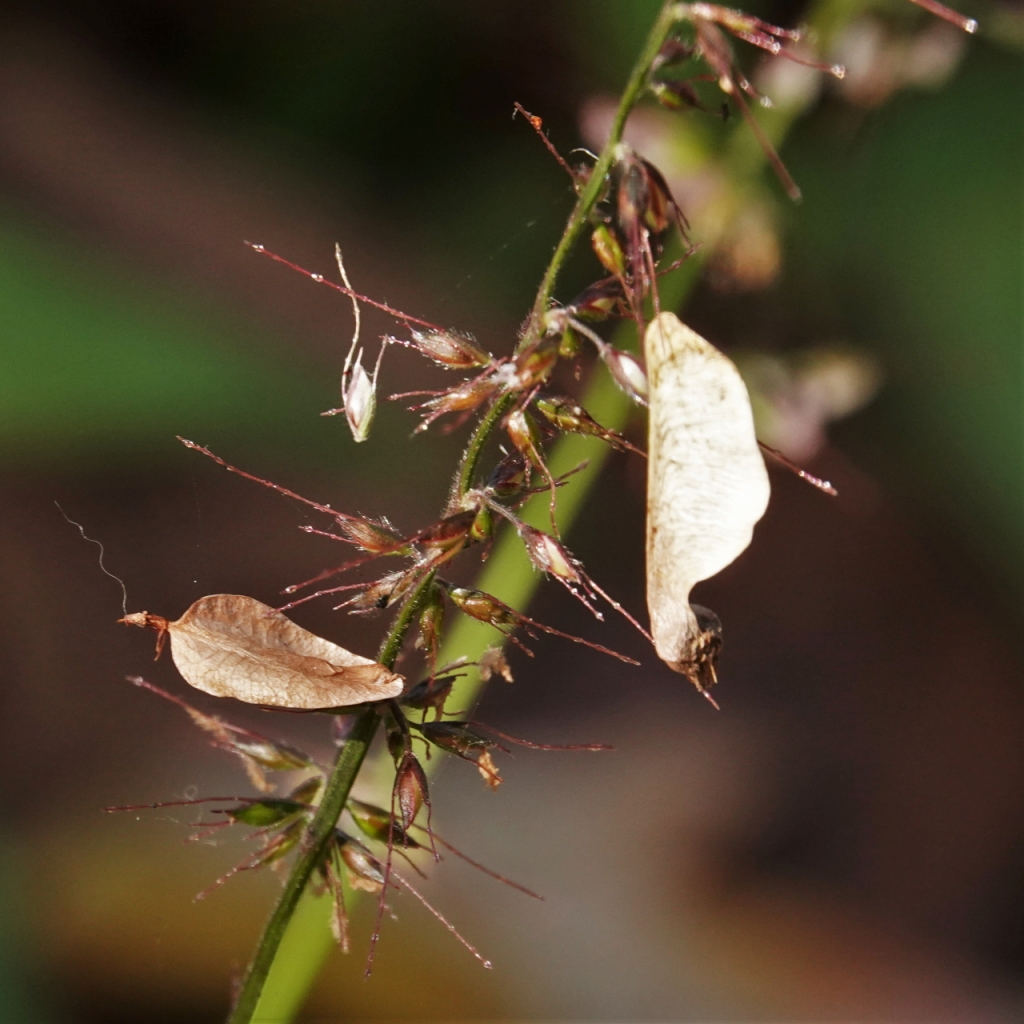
x=317 y=277
x=838 y=70
x=257 y=246
x=970 y=26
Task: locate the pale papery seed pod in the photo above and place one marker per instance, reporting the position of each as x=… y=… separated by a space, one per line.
x=706 y=488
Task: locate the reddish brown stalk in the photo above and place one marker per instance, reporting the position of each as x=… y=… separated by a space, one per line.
x=266 y=483
x=537 y=125
x=347 y=586
x=793 y=34
x=540 y=746
x=445 y=548
x=512 y=638
x=765 y=42
x=333 y=536
x=184 y=803
x=251 y=863
x=579 y=640
x=381 y=905
x=415 y=394
x=948 y=14
x=622 y=611
x=329 y=590
x=791 y=187
x=190 y=710
x=718 y=54
x=570 y=574
x=412 y=864
x=145 y=685
x=440 y=917
x=480 y=867
x=320 y=279
x=208 y=830
x=560 y=481
x=814 y=481
x=327 y=574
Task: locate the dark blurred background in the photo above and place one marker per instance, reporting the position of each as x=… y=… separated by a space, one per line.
x=845 y=839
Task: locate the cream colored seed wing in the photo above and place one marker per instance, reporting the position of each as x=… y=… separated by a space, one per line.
x=234 y=646
x=706 y=481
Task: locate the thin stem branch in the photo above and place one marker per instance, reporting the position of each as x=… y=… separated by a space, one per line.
x=592 y=190
x=581 y=211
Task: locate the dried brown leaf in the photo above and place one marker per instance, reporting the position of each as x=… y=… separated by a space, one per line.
x=235 y=646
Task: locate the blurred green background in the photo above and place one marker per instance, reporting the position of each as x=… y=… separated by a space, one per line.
x=845 y=841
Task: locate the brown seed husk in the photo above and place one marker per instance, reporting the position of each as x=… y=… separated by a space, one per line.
x=235 y=646
x=706 y=485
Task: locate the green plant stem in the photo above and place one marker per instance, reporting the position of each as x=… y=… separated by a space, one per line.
x=471 y=456
x=319 y=833
x=321 y=828
x=391 y=647
x=581 y=211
